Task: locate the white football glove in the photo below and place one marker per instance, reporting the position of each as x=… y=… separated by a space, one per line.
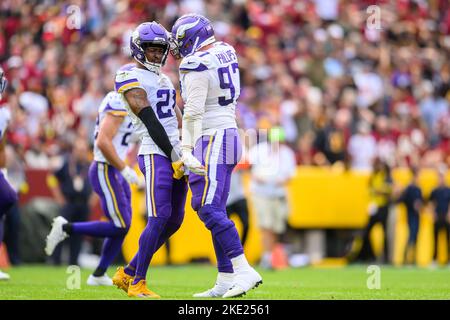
x=192 y=163
x=130 y=175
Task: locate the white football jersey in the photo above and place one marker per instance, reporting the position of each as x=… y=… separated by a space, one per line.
x=5 y=117
x=162 y=99
x=221 y=66
x=113 y=104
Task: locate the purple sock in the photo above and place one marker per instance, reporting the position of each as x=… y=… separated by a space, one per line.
x=110 y=249
x=98 y=229
x=229 y=242
x=169 y=230
x=130 y=269
x=223 y=262
x=148 y=243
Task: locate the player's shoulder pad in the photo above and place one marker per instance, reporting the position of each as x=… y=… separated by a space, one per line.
x=126 y=80
x=114 y=104
x=198 y=61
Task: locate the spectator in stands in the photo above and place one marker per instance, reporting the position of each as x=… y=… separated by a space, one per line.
x=294 y=70
x=272 y=166
x=362 y=148
x=380 y=188
x=331 y=141
x=70 y=187
x=412 y=198
x=440 y=201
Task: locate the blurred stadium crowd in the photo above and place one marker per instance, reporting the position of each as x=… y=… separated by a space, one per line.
x=344 y=91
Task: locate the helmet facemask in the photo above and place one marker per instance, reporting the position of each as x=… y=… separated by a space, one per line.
x=190 y=33
x=138 y=49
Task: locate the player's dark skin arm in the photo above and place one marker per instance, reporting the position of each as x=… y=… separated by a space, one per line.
x=138 y=102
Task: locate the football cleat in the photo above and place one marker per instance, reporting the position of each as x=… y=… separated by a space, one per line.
x=223 y=283
x=4 y=276
x=104 y=280
x=121 y=280
x=56 y=235
x=243 y=282
x=140 y=290
x=210 y=293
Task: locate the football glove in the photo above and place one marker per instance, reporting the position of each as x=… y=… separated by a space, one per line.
x=192 y=163
x=131 y=176
x=178 y=169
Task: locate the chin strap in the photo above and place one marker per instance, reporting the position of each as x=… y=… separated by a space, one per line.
x=150 y=66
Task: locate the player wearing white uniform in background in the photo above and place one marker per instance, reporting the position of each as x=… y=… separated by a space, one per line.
x=209 y=76
x=110 y=178
x=150 y=98
x=7 y=194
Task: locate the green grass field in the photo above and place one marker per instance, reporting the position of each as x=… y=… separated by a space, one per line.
x=179 y=282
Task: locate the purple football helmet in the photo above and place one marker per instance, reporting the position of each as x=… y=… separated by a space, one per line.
x=190 y=33
x=149 y=34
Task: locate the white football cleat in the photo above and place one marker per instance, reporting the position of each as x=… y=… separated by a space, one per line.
x=244 y=281
x=4 y=276
x=104 y=280
x=56 y=235
x=223 y=283
x=210 y=293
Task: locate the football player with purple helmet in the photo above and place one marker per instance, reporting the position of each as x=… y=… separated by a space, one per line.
x=151 y=103
x=210 y=87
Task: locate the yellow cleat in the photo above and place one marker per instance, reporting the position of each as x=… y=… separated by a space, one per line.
x=140 y=290
x=121 y=280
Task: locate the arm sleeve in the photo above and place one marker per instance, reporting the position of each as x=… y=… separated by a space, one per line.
x=157 y=132
x=196 y=89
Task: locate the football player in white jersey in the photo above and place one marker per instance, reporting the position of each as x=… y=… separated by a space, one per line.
x=150 y=99
x=209 y=76
x=110 y=177
x=7 y=194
